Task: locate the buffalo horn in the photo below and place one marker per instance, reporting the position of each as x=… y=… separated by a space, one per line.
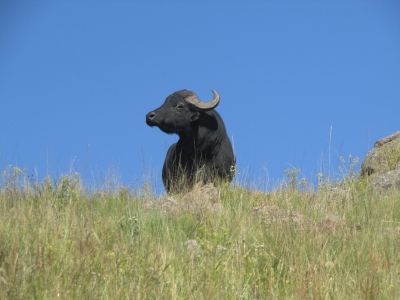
x=196 y=104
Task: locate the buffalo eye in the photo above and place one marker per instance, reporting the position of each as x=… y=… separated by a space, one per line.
x=179 y=106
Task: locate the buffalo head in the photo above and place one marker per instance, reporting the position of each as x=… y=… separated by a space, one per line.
x=179 y=111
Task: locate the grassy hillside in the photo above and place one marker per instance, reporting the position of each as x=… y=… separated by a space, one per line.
x=59 y=241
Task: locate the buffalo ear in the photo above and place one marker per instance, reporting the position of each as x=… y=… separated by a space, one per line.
x=195 y=116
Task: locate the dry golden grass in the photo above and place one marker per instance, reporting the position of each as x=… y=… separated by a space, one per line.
x=59 y=241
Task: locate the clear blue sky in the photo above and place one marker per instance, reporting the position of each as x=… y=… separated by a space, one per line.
x=78 y=77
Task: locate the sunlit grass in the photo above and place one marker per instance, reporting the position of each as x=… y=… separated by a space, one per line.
x=60 y=241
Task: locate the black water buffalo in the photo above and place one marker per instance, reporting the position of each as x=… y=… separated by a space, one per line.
x=203 y=151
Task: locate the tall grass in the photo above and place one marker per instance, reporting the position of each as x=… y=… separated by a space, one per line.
x=60 y=241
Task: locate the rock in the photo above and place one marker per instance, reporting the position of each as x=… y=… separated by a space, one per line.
x=168 y=204
x=384 y=157
x=329 y=265
x=204 y=193
x=331 y=224
x=371 y=163
x=387 y=180
x=388 y=139
x=278 y=215
x=193 y=247
x=203 y=198
x=383 y=163
x=328 y=224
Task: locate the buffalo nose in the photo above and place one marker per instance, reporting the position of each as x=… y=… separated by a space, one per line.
x=151 y=115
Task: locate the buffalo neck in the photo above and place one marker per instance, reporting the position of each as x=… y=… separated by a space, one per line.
x=202 y=136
